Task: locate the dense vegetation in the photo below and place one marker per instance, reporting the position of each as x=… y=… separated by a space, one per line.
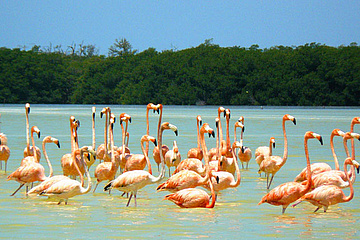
x=308 y=75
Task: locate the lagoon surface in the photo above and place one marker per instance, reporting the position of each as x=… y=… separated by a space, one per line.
x=236 y=213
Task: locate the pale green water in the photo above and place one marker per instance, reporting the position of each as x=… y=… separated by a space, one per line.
x=236 y=213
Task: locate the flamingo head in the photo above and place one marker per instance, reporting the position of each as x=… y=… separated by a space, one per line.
x=288 y=117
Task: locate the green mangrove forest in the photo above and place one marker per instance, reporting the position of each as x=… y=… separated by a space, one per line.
x=309 y=75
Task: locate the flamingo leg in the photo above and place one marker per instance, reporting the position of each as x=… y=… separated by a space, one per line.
x=5 y=166
x=247 y=165
x=21 y=185
x=272 y=177
x=169 y=172
x=316 y=209
x=96 y=186
x=242 y=164
x=135 y=200
x=283 y=209
x=129 y=200
x=267 y=181
x=59 y=202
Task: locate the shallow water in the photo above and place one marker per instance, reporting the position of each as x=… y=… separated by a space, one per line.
x=236 y=212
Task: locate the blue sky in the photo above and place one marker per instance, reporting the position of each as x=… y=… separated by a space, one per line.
x=178 y=24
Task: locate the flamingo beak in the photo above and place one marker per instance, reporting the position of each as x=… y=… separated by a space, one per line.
x=58 y=144
x=217 y=179
x=176 y=132
x=28 y=110
x=101 y=114
x=39 y=135
x=200 y=122
x=273 y=145
x=243 y=129
x=130 y=120
x=155 y=143
x=242 y=149
x=295 y=123
x=321 y=141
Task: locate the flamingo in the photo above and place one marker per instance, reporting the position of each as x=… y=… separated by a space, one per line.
x=28 y=151
x=188 y=178
x=222 y=180
x=123 y=118
x=317 y=168
x=213 y=151
x=324 y=196
x=155 y=108
x=33 y=171
x=196 y=152
x=132 y=181
x=246 y=155
x=68 y=188
x=139 y=161
x=272 y=164
x=102 y=151
x=33 y=158
x=289 y=192
x=107 y=170
x=173 y=157
x=337 y=177
x=192 y=197
x=164 y=148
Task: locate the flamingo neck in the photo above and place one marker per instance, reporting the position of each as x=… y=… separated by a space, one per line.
x=285 y=156
x=238 y=176
x=308 y=168
x=346 y=147
x=51 y=172
x=213 y=197
x=123 y=140
x=206 y=157
x=198 y=134
x=106 y=133
x=228 y=145
x=337 y=167
x=93 y=131
x=352 y=141
x=146 y=156
x=348 y=198
x=27 y=132
x=270 y=148
x=162 y=173
x=34 y=147
x=78 y=168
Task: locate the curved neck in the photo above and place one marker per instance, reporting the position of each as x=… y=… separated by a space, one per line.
x=47 y=160
x=238 y=176
x=77 y=166
x=72 y=139
x=123 y=139
x=308 y=168
x=146 y=156
x=270 y=148
x=34 y=147
x=106 y=132
x=88 y=187
x=352 y=141
x=346 y=147
x=220 y=128
x=285 y=156
x=228 y=145
x=206 y=157
x=162 y=172
x=213 y=197
x=337 y=167
x=198 y=133
x=348 y=198
x=147 y=128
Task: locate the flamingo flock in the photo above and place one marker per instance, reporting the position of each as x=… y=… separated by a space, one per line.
x=197 y=180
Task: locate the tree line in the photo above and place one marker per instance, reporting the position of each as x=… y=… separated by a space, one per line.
x=308 y=75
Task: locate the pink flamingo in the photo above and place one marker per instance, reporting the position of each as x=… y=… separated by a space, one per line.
x=289 y=192
x=164 y=148
x=4 y=150
x=107 y=170
x=355 y=120
x=132 y=181
x=213 y=151
x=172 y=157
x=32 y=171
x=149 y=107
x=28 y=151
x=196 y=152
x=317 y=168
x=222 y=180
x=245 y=156
x=272 y=164
x=123 y=118
x=33 y=158
x=68 y=188
x=337 y=177
x=324 y=196
x=102 y=150
x=188 y=178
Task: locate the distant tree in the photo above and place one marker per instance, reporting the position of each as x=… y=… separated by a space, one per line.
x=120 y=48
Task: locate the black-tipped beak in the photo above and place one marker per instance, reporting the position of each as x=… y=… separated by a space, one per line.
x=224 y=114
x=358 y=170
x=294 y=121
x=158 y=111
x=121 y=121
x=212 y=134
x=176 y=132
x=273 y=145
x=200 y=122
x=155 y=143
x=217 y=179
x=39 y=135
x=28 y=110
x=78 y=122
x=130 y=120
x=101 y=114
x=217 y=124
x=229 y=115
x=321 y=141
x=243 y=129
x=58 y=144
x=93 y=115
x=112 y=125
x=242 y=149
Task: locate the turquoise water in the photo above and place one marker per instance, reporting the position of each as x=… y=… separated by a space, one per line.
x=236 y=213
